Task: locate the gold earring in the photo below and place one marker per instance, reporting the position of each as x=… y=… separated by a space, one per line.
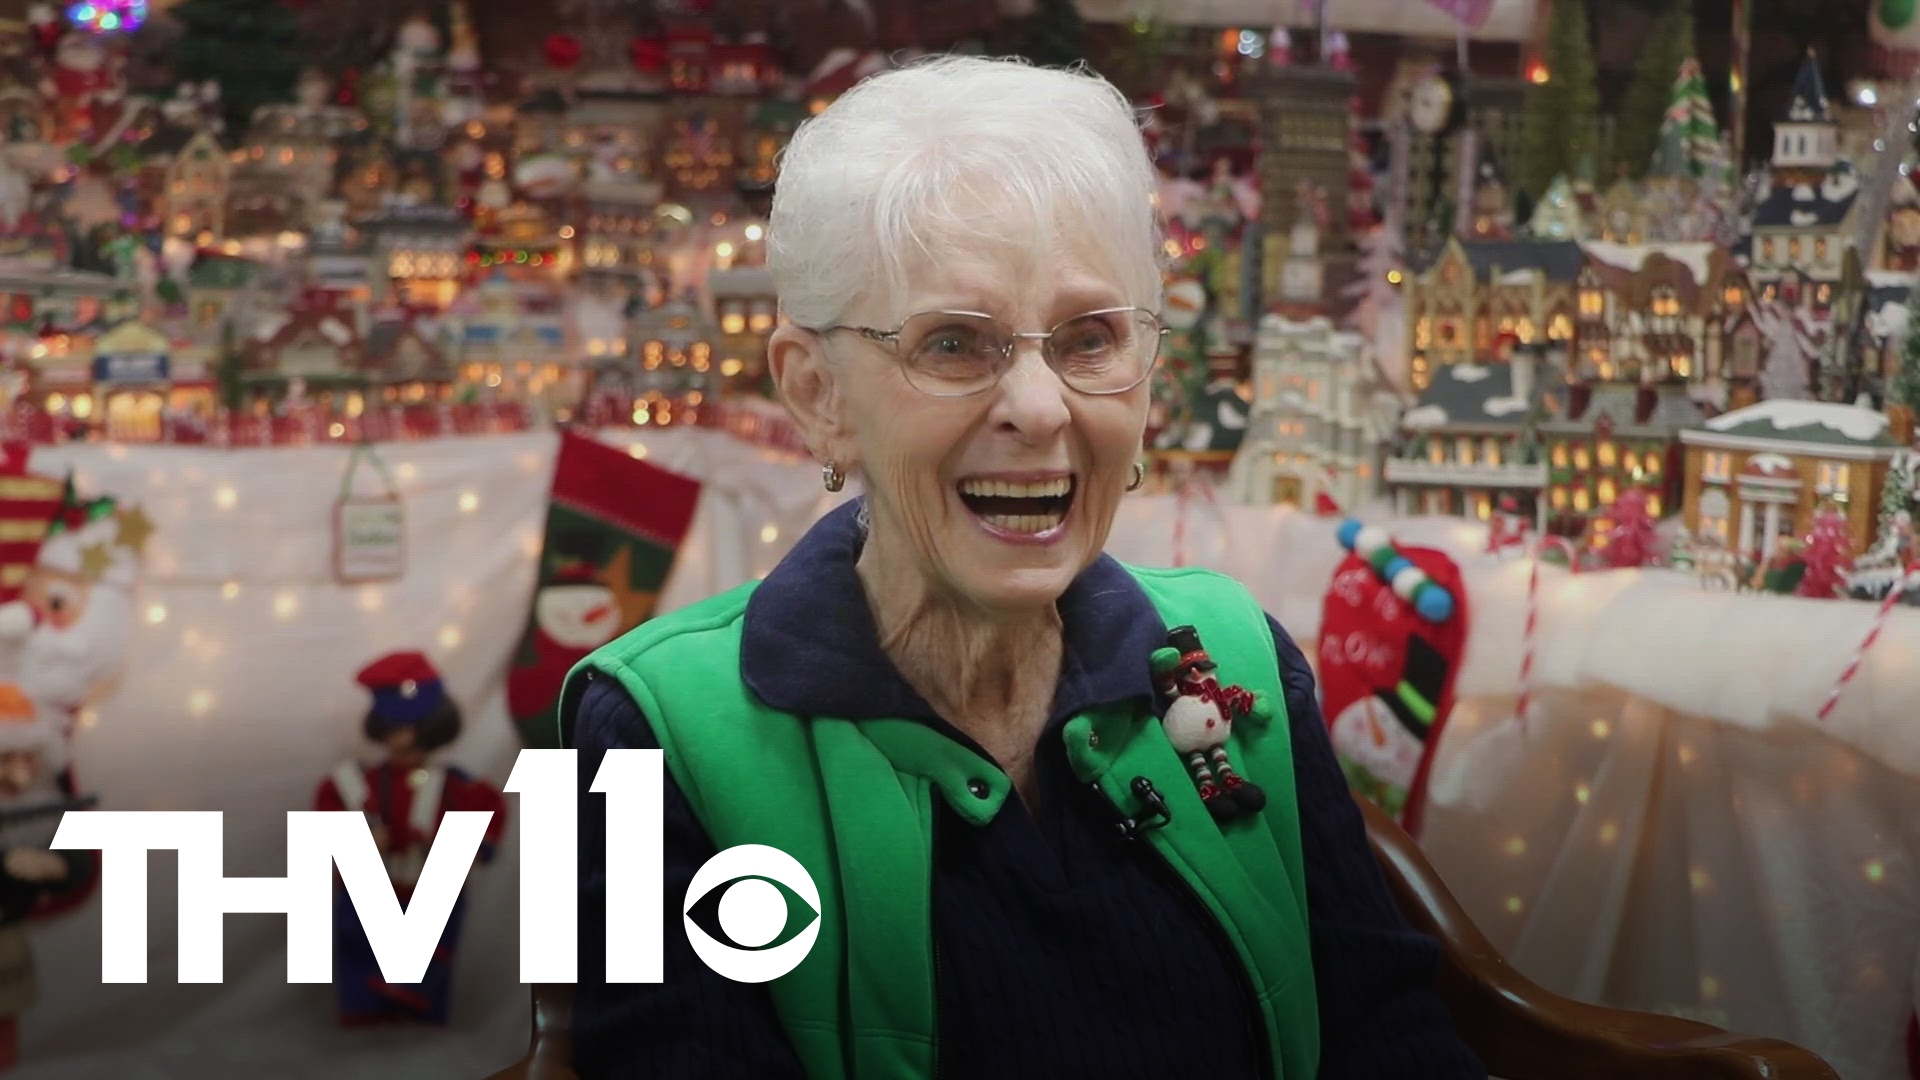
x=1139 y=476
x=832 y=475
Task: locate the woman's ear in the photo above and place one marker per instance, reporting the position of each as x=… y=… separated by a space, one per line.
x=808 y=387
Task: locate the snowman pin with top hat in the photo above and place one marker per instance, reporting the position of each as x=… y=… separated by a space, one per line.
x=1199 y=720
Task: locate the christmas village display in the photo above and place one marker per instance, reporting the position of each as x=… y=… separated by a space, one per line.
x=1433 y=300
x=1680 y=365
x=425 y=245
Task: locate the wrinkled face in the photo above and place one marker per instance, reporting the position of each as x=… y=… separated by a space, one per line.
x=1002 y=497
x=57 y=597
x=577 y=616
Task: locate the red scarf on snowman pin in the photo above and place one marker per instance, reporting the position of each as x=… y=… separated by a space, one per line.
x=1199 y=720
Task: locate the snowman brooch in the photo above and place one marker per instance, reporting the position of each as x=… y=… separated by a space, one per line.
x=1199 y=718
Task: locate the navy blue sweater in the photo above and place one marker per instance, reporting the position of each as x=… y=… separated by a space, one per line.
x=1066 y=950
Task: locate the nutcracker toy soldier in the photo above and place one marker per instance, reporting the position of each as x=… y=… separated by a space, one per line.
x=1199 y=720
x=404 y=797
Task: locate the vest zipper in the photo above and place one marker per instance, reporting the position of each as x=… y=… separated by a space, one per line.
x=1256 y=1025
x=939 y=984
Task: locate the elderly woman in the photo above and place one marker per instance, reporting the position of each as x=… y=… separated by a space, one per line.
x=947 y=704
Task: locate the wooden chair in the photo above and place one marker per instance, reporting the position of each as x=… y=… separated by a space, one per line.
x=1520 y=1031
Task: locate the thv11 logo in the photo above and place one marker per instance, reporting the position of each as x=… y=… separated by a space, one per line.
x=752 y=912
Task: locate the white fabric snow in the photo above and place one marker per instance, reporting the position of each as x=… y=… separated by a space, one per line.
x=1424 y=416
x=1680 y=814
x=1468 y=373
x=1857 y=424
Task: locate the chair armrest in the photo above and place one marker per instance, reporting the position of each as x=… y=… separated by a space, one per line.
x=1524 y=1032
x=550 y=1050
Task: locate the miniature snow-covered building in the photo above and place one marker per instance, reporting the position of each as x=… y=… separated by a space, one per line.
x=1614 y=438
x=1471 y=439
x=1478 y=291
x=668 y=373
x=1648 y=312
x=748 y=309
x=196 y=191
x=1758 y=474
x=1321 y=418
x=1803 y=227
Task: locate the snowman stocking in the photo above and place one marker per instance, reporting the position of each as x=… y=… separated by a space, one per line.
x=1392 y=633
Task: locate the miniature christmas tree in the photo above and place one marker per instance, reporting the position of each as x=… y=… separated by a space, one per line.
x=1905 y=390
x=1689 y=138
x=1897 y=490
x=1557 y=123
x=1647 y=112
x=1630 y=538
x=251 y=49
x=1827 y=553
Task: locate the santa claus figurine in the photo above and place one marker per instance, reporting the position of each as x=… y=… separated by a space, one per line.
x=404 y=798
x=83 y=86
x=74 y=622
x=1199 y=720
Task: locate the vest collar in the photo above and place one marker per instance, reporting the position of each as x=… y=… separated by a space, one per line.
x=809 y=645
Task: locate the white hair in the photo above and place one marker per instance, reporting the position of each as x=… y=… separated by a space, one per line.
x=961 y=151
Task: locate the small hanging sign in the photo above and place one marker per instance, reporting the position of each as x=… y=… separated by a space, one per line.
x=369 y=531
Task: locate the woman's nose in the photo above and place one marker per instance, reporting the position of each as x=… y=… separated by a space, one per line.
x=1032 y=399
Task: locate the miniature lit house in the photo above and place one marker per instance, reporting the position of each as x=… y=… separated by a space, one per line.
x=316 y=342
x=1803 y=228
x=1758 y=474
x=1471 y=439
x=1477 y=292
x=512 y=346
x=196 y=189
x=421 y=250
x=1321 y=418
x=747 y=311
x=667 y=373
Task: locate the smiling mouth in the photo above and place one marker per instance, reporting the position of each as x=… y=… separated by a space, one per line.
x=1030 y=507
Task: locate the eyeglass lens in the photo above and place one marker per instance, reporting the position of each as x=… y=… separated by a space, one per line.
x=955 y=353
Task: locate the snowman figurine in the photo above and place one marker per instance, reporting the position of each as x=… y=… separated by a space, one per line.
x=1199 y=720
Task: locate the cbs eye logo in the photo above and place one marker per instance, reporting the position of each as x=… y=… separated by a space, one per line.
x=752 y=913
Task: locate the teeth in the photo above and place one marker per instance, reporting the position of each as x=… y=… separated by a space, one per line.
x=1023 y=523
x=1007 y=490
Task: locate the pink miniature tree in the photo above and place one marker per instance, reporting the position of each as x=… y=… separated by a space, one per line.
x=1630 y=539
x=1828 y=555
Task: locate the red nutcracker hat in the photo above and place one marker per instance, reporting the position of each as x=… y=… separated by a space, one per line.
x=406 y=687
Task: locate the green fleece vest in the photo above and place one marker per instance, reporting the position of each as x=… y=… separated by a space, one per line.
x=853 y=801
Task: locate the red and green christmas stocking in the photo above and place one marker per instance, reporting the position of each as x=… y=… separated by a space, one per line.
x=614 y=525
x=1393 y=629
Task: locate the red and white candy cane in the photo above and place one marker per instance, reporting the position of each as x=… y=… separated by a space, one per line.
x=1526 y=638
x=1540 y=546
x=1182 y=492
x=1909 y=580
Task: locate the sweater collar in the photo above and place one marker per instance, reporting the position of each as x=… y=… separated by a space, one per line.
x=810 y=647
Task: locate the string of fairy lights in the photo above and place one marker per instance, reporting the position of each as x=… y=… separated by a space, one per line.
x=170 y=596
